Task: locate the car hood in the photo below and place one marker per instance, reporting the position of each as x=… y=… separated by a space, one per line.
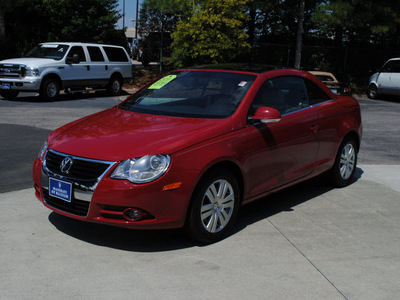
x=116 y=135
x=30 y=62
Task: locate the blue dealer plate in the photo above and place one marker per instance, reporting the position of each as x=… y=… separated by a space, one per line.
x=5 y=86
x=60 y=189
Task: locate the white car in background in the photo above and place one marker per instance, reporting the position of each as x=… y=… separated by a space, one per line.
x=51 y=67
x=386 y=81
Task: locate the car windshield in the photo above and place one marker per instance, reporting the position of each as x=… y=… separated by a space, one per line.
x=52 y=51
x=195 y=94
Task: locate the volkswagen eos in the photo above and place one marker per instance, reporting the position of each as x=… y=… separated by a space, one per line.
x=190 y=148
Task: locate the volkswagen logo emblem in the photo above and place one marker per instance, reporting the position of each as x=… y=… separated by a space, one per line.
x=66 y=165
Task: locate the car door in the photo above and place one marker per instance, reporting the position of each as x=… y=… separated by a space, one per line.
x=284 y=151
x=384 y=79
x=394 y=80
x=76 y=74
x=98 y=67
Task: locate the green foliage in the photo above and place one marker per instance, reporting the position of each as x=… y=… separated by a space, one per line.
x=212 y=33
x=157 y=15
x=357 y=20
x=32 y=21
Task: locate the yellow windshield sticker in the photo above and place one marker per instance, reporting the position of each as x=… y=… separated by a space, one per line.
x=162 y=82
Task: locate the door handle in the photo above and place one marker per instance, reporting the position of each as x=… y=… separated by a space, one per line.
x=88 y=68
x=314 y=128
x=106 y=68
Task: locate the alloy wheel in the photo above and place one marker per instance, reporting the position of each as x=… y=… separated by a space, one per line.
x=217 y=206
x=347 y=161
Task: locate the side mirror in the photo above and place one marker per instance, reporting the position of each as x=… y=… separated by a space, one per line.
x=267 y=115
x=73 y=60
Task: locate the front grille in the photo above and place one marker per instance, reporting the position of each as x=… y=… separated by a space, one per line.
x=82 y=169
x=84 y=174
x=76 y=207
x=12 y=71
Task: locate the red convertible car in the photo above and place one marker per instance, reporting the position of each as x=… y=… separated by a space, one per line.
x=193 y=146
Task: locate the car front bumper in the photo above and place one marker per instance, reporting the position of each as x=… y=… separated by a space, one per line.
x=27 y=84
x=112 y=200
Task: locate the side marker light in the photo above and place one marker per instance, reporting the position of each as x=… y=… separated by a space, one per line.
x=172 y=186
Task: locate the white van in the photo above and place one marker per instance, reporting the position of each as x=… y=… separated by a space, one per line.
x=51 y=67
x=386 y=81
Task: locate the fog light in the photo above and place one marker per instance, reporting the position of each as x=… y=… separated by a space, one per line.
x=134 y=214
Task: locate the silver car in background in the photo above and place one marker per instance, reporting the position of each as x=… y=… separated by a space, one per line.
x=386 y=81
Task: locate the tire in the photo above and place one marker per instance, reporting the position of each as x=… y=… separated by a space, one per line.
x=214 y=207
x=50 y=89
x=114 y=87
x=373 y=92
x=9 y=95
x=342 y=173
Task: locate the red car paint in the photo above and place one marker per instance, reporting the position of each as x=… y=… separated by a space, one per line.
x=264 y=157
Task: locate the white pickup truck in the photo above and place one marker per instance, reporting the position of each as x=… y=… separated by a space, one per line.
x=51 y=67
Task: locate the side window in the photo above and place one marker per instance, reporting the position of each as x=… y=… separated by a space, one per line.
x=77 y=50
x=315 y=94
x=116 y=54
x=95 y=53
x=286 y=94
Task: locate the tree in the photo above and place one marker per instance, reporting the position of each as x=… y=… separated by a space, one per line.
x=212 y=33
x=299 y=37
x=358 y=20
x=159 y=15
x=33 y=21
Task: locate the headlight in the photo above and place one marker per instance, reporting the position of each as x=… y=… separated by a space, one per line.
x=42 y=150
x=142 y=170
x=31 y=72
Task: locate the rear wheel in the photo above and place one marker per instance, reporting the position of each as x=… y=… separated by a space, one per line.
x=114 y=87
x=214 y=207
x=50 y=89
x=344 y=168
x=9 y=95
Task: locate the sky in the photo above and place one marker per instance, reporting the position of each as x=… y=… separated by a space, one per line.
x=130 y=12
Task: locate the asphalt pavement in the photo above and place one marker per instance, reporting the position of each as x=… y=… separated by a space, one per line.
x=311 y=241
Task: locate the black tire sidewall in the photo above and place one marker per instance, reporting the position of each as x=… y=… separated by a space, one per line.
x=371 y=96
x=194 y=225
x=111 y=84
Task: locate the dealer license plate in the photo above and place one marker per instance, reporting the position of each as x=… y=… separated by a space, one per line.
x=5 y=86
x=60 y=189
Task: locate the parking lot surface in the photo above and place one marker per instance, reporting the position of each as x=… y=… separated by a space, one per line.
x=311 y=241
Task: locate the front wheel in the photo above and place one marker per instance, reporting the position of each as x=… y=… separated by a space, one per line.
x=49 y=89
x=214 y=207
x=9 y=95
x=344 y=168
x=373 y=92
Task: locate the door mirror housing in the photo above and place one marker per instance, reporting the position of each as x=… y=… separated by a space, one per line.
x=267 y=115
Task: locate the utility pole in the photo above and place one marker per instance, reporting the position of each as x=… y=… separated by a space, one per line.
x=299 y=38
x=137 y=18
x=123 y=14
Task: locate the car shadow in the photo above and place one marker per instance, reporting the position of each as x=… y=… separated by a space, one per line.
x=65 y=97
x=169 y=240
